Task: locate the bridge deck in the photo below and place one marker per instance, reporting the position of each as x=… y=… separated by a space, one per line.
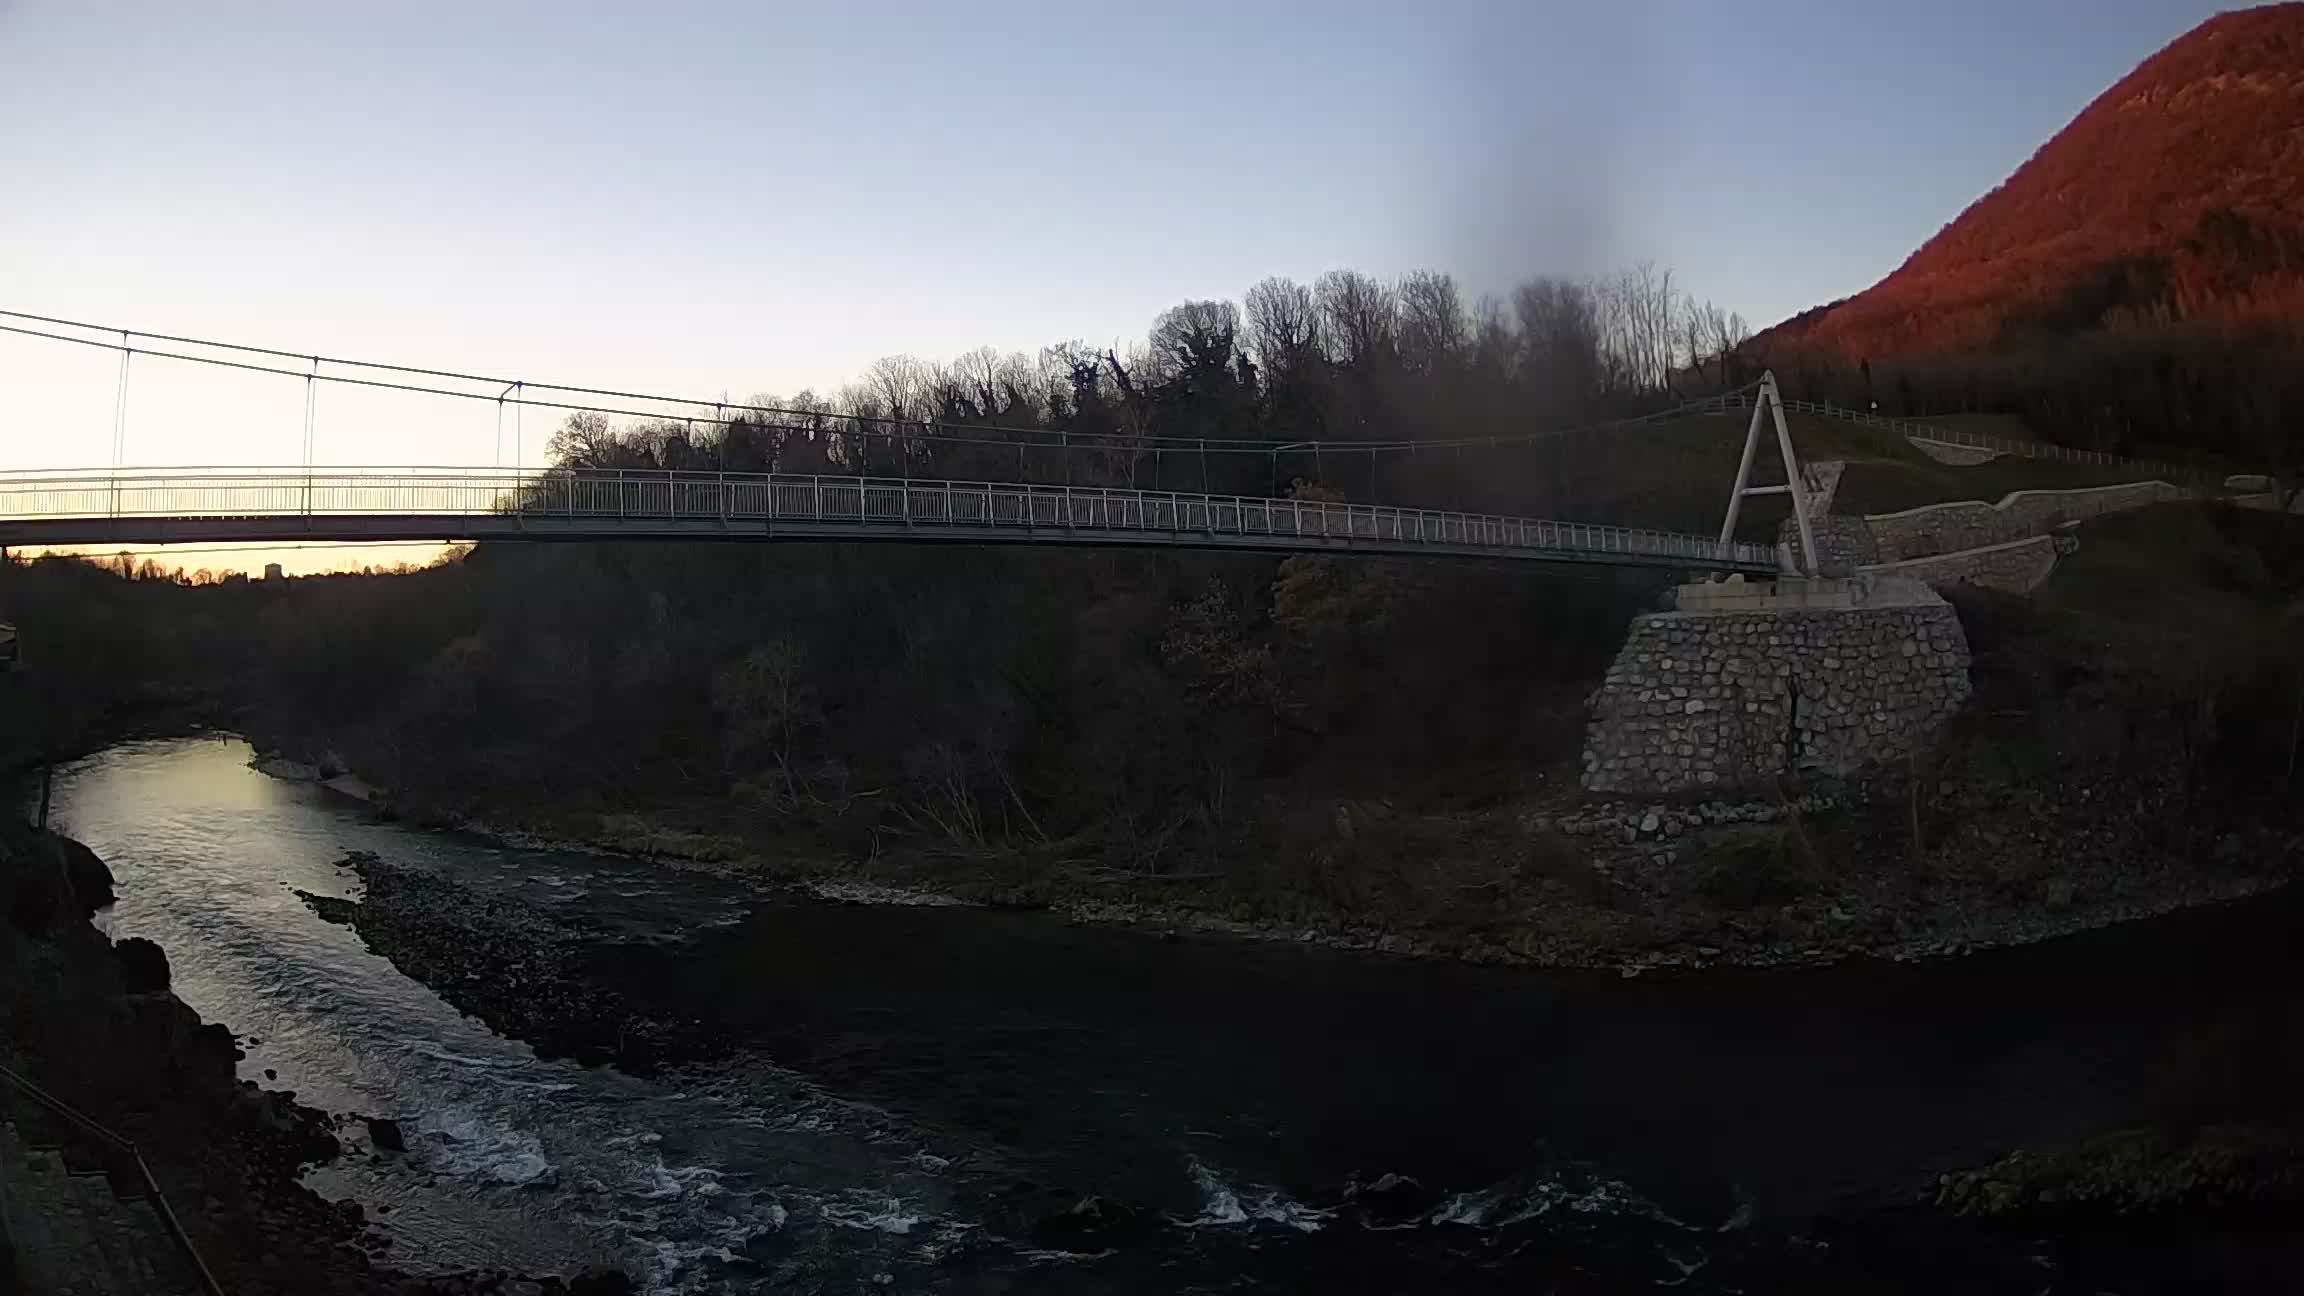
x=447 y=504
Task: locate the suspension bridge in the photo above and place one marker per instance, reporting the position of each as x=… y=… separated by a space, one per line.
x=872 y=480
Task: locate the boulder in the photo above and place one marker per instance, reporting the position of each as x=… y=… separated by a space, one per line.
x=143 y=966
x=30 y=902
x=85 y=874
x=1391 y=1200
x=1094 y=1223
x=385 y=1134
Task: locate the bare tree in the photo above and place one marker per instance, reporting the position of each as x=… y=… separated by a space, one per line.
x=585 y=439
x=1361 y=317
x=862 y=425
x=902 y=392
x=1197 y=338
x=1021 y=395
x=1689 y=325
x=765 y=703
x=1434 y=330
x=1283 y=329
x=902 y=386
x=1637 y=308
x=1709 y=338
x=1560 y=337
x=973 y=381
x=1493 y=344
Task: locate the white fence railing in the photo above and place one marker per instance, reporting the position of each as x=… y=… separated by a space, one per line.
x=1917 y=430
x=744 y=500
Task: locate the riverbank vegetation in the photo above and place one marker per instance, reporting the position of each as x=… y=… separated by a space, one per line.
x=1344 y=744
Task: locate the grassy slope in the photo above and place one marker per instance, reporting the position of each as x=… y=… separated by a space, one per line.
x=2178 y=588
x=2007 y=427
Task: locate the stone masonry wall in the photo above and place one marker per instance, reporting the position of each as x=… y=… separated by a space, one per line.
x=2018 y=567
x=1971 y=524
x=1705 y=701
x=1843 y=544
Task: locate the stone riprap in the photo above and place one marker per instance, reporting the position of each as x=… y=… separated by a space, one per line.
x=1971 y=524
x=1712 y=701
x=2017 y=567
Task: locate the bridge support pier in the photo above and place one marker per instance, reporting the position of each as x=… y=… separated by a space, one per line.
x=1744 y=683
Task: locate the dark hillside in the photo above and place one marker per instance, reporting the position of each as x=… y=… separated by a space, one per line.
x=2177 y=194
x=2137 y=286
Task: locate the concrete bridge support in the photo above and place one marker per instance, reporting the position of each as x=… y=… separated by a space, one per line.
x=1746 y=682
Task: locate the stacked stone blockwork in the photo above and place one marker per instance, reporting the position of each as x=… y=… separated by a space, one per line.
x=1843 y=544
x=2016 y=568
x=1712 y=700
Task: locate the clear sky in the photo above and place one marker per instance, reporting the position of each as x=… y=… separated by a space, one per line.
x=759 y=197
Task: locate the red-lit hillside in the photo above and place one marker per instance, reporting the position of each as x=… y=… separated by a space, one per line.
x=2178 y=195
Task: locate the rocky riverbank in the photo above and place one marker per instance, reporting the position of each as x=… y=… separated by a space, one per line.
x=2174 y=1209
x=1895 y=866
x=2127 y=1172
x=97 y=1024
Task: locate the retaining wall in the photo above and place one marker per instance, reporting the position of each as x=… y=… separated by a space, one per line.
x=1705 y=701
x=1971 y=524
x=2017 y=567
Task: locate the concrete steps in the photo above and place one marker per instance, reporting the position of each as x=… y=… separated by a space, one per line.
x=73 y=1235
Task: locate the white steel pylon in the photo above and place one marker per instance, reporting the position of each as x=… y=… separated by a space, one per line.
x=1766 y=401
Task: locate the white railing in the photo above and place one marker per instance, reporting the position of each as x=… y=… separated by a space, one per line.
x=1916 y=430
x=762 y=500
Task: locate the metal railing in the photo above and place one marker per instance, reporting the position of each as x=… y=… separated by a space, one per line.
x=152 y=1193
x=749 y=502
x=1918 y=430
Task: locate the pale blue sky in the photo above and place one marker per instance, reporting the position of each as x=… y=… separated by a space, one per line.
x=732 y=197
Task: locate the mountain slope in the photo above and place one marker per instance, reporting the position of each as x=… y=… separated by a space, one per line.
x=2177 y=195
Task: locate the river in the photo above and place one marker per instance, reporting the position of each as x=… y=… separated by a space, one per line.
x=905 y=1077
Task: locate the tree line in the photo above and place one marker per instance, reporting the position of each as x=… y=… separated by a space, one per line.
x=1229 y=396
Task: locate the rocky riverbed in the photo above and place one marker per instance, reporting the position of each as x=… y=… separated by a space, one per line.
x=505 y=963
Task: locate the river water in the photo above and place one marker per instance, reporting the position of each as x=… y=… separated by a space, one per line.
x=909 y=1081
